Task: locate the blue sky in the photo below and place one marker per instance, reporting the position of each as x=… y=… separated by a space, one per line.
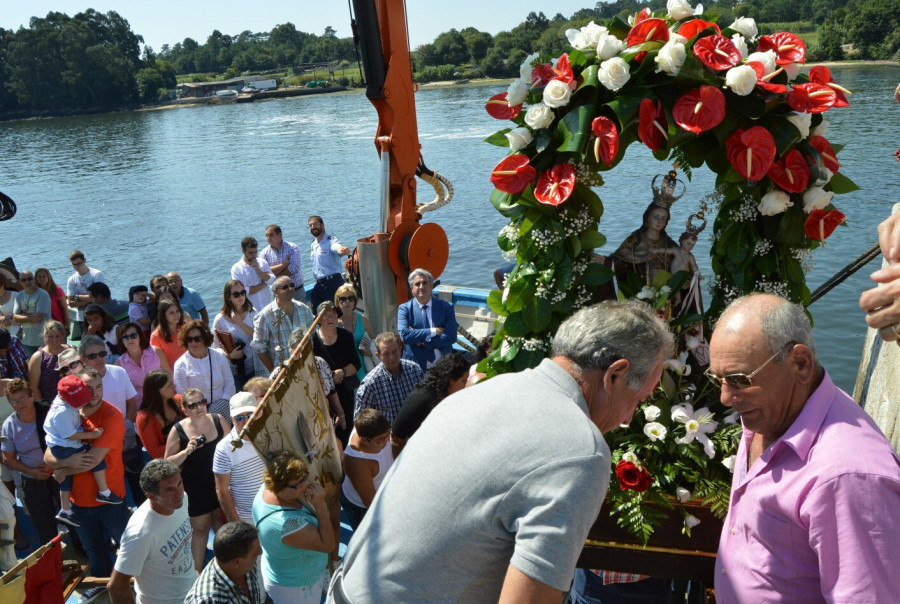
x=169 y=21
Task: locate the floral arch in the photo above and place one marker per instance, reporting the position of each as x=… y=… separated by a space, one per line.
x=687 y=90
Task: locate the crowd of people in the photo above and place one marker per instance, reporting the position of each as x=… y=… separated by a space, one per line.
x=490 y=490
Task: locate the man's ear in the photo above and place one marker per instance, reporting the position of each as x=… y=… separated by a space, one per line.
x=802 y=359
x=616 y=372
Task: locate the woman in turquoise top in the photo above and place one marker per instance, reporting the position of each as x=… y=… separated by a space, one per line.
x=294 y=530
x=356 y=323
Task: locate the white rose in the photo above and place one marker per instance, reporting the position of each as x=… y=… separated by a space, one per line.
x=674 y=36
x=608 y=46
x=683 y=494
x=801 y=121
x=821 y=129
x=651 y=413
x=527 y=67
x=539 y=116
x=792 y=70
x=680 y=9
x=816 y=198
x=517 y=91
x=576 y=39
x=741 y=80
x=746 y=26
x=774 y=203
x=741 y=44
x=824 y=176
x=655 y=431
x=691 y=521
x=614 y=73
x=670 y=57
x=557 y=94
x=631 y=457
x=519 y=138
x=591 y=34
x=767 y=59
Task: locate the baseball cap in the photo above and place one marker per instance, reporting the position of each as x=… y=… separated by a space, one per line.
x=135 y=289
x=242 y=402
x=73 y=391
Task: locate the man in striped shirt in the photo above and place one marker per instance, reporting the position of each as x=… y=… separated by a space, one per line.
x=239 y=472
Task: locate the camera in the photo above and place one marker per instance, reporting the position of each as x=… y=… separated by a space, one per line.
x=201 y=439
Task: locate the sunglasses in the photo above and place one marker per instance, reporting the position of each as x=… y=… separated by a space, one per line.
x=192 y=406
x=94 y=355
x=286 y=286
x=64 y=371
x=26 y=279
x=239 y=294
x=346 y=298
x=193 y=339
x=242 y=417
x=742 y=381
x=130 y=336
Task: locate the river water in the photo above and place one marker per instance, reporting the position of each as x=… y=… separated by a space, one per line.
x=177 y=189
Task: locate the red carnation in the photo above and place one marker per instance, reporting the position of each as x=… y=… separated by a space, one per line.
x=652 y=124
x=695 y=26
x=700 y=109
x=717 y=52
x=633 y=478
x=788 y=47
x=791 y=172
x=811 y=98
x=751 y=152
x=820 y=224
x=513 y=174
x=821 y=75
x=498 y=107
x=829 y=157
x=555 y=185
x=606 y=143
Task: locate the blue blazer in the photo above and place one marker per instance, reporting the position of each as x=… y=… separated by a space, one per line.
x=417 y=340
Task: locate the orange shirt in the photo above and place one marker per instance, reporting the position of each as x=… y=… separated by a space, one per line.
x=84 y=487
x=172 y=349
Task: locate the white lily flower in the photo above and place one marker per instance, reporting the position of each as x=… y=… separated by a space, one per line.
x=732 y=418
x=679 y=366
x=698 y=424
x=683 y=494
x=655 y=431
x=691 y=521
x=691 y=342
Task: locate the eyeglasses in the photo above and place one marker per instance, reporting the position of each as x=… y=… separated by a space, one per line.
x=94 y=355
x=299 y=482
x=346 y=298
x=242 y=417
x=285 y=286
x=64 y=370
x=742 y=381
x=193 y=339
x=192 y=406
x=130 y=336
x=239 y=294
x=15 y=402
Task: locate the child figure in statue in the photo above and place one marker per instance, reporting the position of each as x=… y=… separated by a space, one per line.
x=682 y=257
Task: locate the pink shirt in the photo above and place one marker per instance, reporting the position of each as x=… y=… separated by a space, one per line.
x=137 y=373
x=817 y=517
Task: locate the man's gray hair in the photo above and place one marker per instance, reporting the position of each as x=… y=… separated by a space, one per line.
x=781 y=323
x=233 y=540
x=90 y=341
x=296 y=337
x=597 y=336
x=155 y=472
x=420 y=272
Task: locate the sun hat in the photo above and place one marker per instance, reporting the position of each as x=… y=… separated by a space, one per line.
x=66 y=358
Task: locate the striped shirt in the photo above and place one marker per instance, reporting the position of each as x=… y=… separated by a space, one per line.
x=246 y=469
x=214 y=587
x=384 y=391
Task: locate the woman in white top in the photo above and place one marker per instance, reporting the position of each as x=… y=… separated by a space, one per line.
x=367 y=459
x=204 y=368
x=236 y=319
x=7 y=302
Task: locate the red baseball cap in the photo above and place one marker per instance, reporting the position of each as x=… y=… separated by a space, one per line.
x=73 y=391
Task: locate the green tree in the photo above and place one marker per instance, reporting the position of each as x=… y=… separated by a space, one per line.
x=149 y=81
x=477 y=43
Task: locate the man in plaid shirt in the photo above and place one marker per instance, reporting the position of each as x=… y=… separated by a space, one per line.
x=387 y=386
x=230 y=578
x=13 y=359
x=284 y=259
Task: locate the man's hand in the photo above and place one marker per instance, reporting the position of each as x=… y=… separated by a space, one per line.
x=889 y=238
x=438 y=331
x=882 y=303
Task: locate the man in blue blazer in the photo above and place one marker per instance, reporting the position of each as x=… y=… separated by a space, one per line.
x=427 y=325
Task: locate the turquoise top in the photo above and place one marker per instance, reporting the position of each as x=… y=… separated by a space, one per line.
x=282 y=564
x=359 y=331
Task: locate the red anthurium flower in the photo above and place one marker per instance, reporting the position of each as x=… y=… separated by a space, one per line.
x=811 y=98
x=788 y=47
x=513 y=174
x=606 y=143
x=700 y=109
x=652 y=124
x=555 y=185
x=751 y=152
x=562 y=71
x=633 y=478
x=791 y=172
x=762 y=80
x=821 y=75
x=648 y=30
x=820 y=224
x=821 y=144
x=541 y=74
x=498 y=107
x=695 y=26
x=644 y=14
x=717 y=52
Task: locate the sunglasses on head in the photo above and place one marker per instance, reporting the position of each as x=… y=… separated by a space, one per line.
x=239 y=294
x=346 y=298
x=742 y=381
x=192 y=406
x=194 y=339
x=94 y=355
x=130 y=336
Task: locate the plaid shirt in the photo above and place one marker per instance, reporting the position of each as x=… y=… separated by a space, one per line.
x=14 y=364
x=214 y=587
x=288 y=250
x=272 y=329
x=384 y=391
x=611 y=576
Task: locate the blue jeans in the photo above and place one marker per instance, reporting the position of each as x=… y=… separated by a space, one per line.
x=61 y=452
x=97 y=525
x=588 y=588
